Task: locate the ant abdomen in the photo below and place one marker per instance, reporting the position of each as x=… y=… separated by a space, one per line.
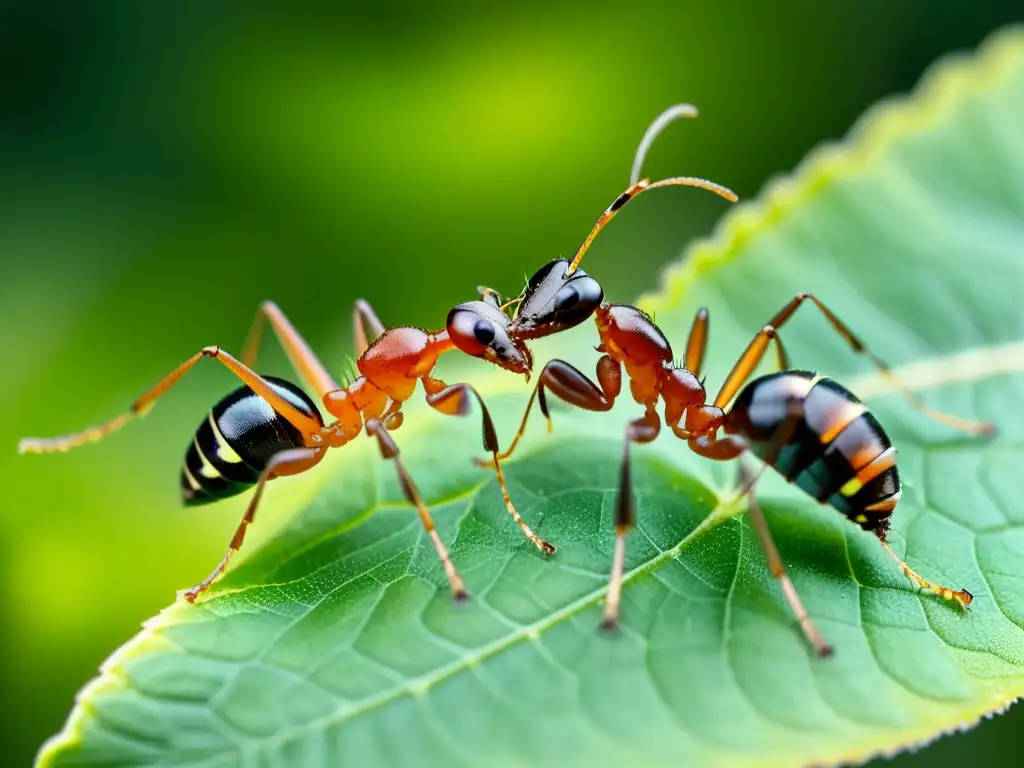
x=235 y=441
x=833 y=448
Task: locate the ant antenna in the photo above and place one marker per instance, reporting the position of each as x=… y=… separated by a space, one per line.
x=638 y=186
x=661 y=122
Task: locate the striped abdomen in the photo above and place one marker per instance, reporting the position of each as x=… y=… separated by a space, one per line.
x=838 y=452
x=236 y=440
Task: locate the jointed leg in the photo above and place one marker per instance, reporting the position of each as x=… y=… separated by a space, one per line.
x=750 y=358
x=962 y=596
x=776 y=566
x=748 y=362
x=299 y=353
x=288 y=462
x=389 y=450
x=364 y=317
x=141 y=407
x=642 y=430
x=393 y=418
x=571 y=386
x=748 y=481
x=697 y=343
x=454 y=401
x=731 y=447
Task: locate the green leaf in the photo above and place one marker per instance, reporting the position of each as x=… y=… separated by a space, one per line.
x=338 y=644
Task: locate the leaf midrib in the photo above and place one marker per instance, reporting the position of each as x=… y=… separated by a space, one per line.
x=932 y=372
x=724 y=510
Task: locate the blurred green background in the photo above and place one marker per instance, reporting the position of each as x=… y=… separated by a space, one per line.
x=163 y=170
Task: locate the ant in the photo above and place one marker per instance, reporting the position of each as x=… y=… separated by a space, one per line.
x=270 y=428
x=810 y=429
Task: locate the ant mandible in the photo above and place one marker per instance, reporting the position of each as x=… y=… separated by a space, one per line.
x=810 y=429
x=270 y=428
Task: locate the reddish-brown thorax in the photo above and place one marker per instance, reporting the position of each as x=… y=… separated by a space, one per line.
x=630 y=337
x=390 y=369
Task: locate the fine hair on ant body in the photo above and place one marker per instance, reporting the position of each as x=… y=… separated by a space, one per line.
x=270 y=428
x=810 y=429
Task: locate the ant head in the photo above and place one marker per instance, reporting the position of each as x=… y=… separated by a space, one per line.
x=554 y=301
x=480 y=329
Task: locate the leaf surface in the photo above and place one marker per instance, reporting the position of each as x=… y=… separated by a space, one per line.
x=338 y=644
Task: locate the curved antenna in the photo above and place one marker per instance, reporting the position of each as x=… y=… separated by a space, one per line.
x=635 y=189
x=638 y=185
x=661 y=122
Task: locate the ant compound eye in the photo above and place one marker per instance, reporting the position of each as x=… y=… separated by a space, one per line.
x=577 y=300
x=480 y=330
x=476 y=329
x=483 y=331
x=466 y=329
x=567 y=298
x=554 y=301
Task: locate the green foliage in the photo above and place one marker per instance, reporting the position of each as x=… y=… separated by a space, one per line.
x=337 y=643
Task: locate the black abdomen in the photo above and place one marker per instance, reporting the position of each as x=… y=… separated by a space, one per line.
x=236 y=440
x=838 y=452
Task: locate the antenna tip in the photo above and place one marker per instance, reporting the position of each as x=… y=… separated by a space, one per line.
x=679 y=110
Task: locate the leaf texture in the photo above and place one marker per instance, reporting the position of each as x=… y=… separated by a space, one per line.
x=337 y=644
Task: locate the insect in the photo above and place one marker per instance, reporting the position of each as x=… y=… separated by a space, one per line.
x=270 y=428
x=810 y=429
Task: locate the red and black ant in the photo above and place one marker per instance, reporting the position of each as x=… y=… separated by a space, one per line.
x=812 y=430
x=269 y=427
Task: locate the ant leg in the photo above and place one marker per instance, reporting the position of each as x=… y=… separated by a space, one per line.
x=454 y=401
x=858 y=347
x=393 y=418
x=642 y=430
x=732 y=447
x=573 y=387
x=288 y=462
x=363 y=316
x=299 y=353
x=717 y=449
x=775 y=564
x=962 y=596
x=305 y=424
x=748 y=362
x=697 y=343
x=748 y=481
x=389 y=450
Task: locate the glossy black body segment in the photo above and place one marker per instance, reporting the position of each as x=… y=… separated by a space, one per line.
x=554 y=301
x=235 y=441
x=829 y=452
